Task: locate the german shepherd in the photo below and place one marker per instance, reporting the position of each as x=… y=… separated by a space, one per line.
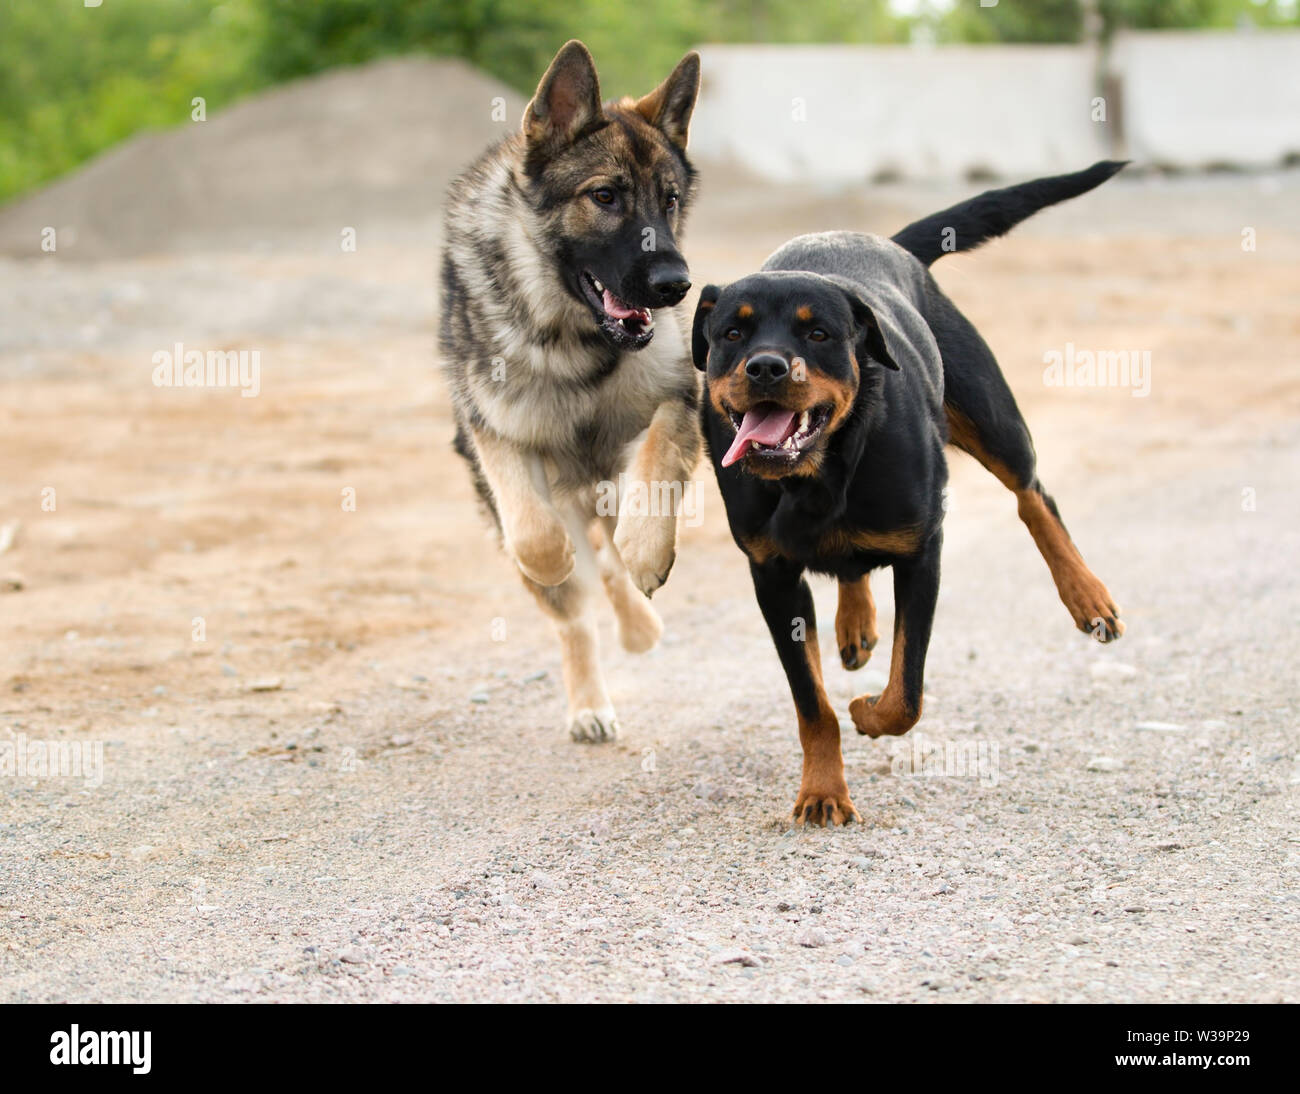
x=836 y=375
x=567 y=356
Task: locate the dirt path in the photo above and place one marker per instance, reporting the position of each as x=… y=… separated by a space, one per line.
x=349 y=789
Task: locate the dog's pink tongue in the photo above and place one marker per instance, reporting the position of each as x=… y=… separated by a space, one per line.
x=616 y=308
x=765 y=425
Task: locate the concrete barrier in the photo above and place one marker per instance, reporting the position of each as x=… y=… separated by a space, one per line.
x=1200 y=98
x=838 y=115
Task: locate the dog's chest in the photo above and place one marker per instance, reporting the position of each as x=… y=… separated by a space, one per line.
x=553 y=398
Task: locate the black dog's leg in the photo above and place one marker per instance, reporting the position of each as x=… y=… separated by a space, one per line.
x=983 y=420
x=787 y=606
x=916 y=590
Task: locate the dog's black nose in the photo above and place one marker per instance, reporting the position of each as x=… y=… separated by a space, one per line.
x=767 y=368
x=670 y=286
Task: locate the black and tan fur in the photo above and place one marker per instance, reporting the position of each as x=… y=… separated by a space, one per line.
x=553 y=394
x=853 y=330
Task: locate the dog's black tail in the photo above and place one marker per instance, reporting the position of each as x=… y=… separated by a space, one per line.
x=995 y=212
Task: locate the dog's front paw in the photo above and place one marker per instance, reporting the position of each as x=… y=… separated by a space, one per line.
x=639 y=625
x=543 y=551
x=855 y=623
x=819 y=803
x=874 y=716
x=856 y=637
x=648 y=548
x=593 y=726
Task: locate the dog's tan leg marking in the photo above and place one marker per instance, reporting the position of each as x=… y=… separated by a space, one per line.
x=569 y=604
x=1088 y=600
x=646 y=536
x=823 y=791
x=887 y=714
x=532 y=528
x=639 y=626
x=1082 y=592
x=855 y=623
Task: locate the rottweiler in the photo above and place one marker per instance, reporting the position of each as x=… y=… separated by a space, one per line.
x=836 y=375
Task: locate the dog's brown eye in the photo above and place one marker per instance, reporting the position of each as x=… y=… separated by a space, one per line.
x=603 y=196
x=672 y=202
x=732 y=335
x=817 y=335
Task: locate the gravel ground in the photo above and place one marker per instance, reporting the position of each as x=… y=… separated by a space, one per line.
x=348 y=790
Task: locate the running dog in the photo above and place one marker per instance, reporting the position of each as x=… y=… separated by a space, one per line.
x=835 y=377
x=565 y=350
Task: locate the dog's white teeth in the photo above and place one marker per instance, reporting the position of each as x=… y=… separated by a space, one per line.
x=803 y=422
x=599 y=287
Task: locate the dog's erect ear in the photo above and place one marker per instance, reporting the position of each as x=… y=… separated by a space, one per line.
x=699 y=338
x=567 y=99
x=870 y=339
x=669 y=106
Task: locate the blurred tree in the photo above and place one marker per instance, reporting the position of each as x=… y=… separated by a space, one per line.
x=74 y=80
x=1062 y=20
x=635 y=43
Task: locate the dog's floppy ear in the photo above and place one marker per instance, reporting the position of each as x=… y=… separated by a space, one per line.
x=567 y=99
x=870 y=339
x=699 y=337
x=670 y=105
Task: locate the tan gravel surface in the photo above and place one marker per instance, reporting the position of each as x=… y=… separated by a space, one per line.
x=350 y=790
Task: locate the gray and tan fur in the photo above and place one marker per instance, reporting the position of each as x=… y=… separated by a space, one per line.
x=565 y=350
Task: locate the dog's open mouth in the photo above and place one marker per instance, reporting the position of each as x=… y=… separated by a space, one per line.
x=774 y=433
x=625 y=325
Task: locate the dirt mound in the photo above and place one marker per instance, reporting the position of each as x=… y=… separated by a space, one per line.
x=370 y=147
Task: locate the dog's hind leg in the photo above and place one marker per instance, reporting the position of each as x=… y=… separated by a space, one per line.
x=569 y=604
x=984 y=421
x=639 y=626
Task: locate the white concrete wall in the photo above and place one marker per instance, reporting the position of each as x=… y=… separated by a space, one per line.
x=915 y=111
x=1190 y=99
x=1195 y=98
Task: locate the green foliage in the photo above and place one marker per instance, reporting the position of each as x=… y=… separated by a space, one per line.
x=635 y=42
x=75 y=80
x=1063 y=20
